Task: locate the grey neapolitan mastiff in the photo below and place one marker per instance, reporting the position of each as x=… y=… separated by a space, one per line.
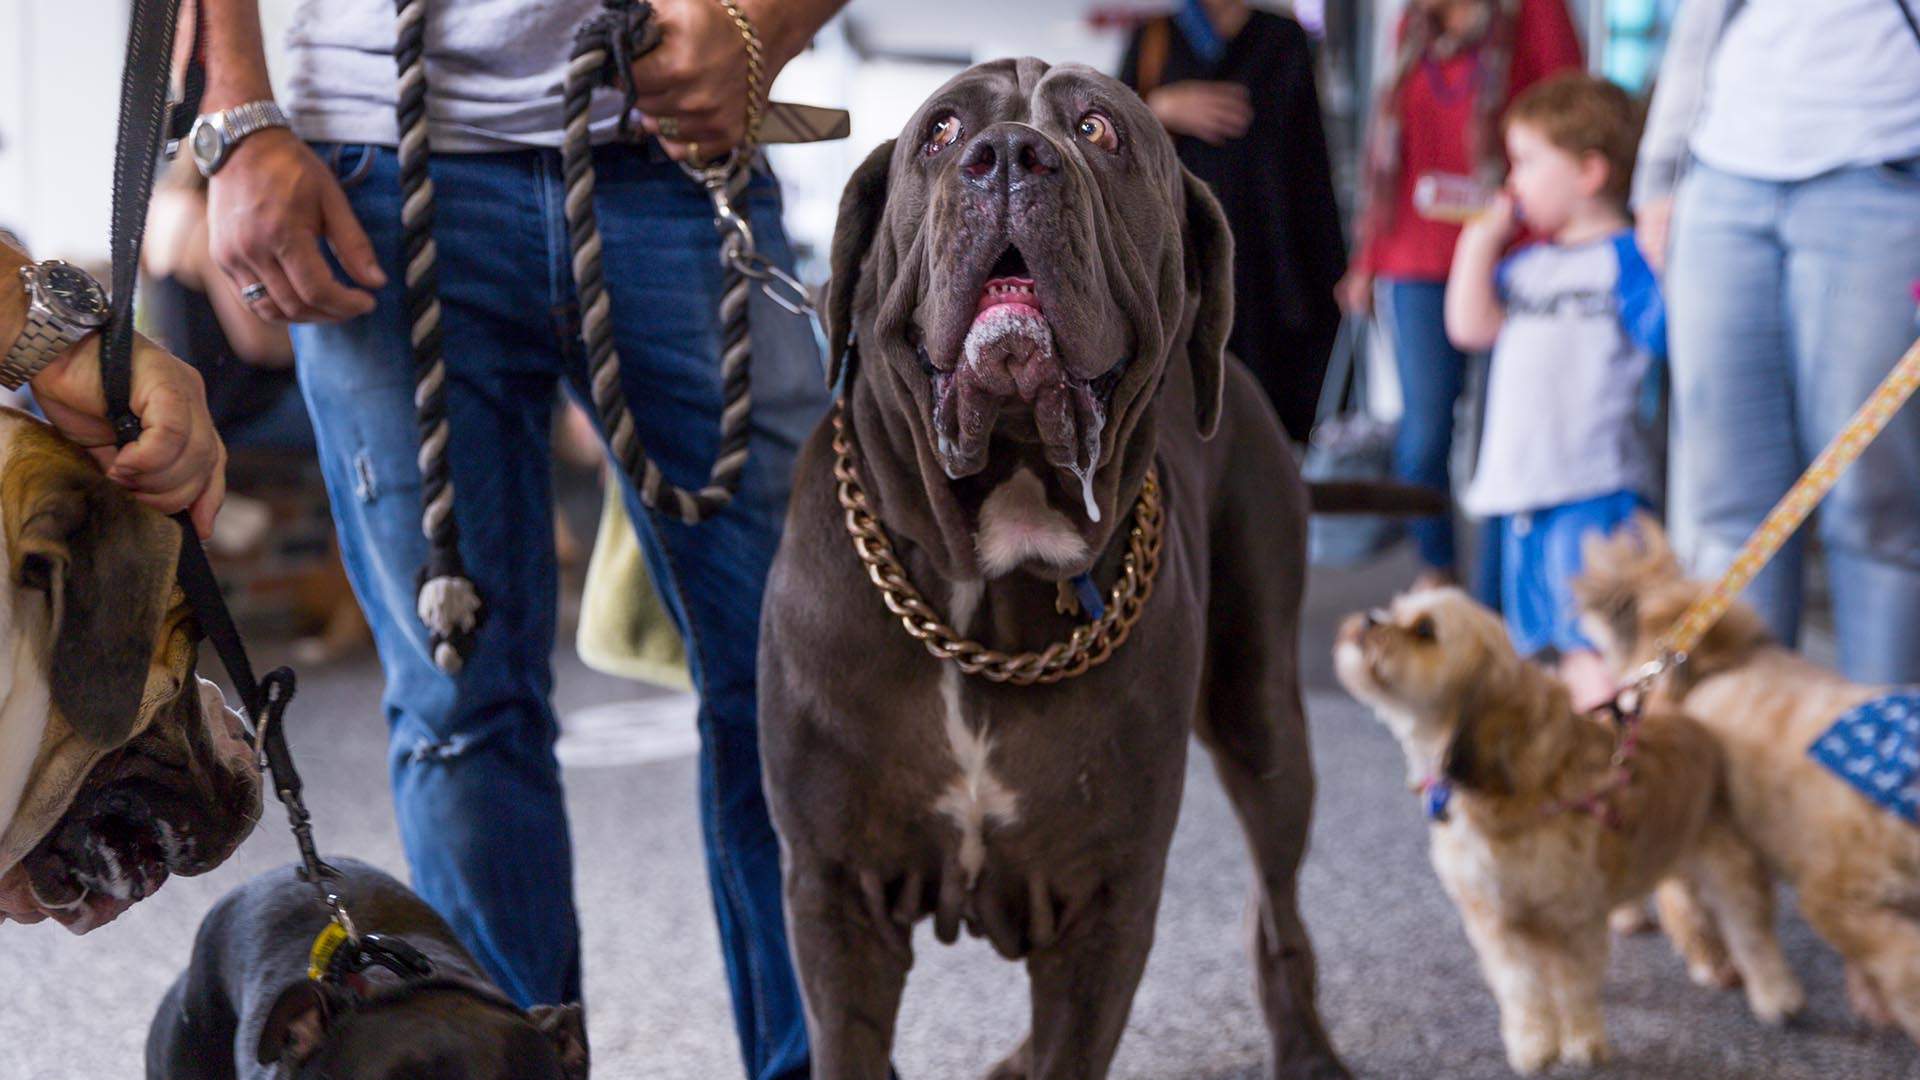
x=1031 y=298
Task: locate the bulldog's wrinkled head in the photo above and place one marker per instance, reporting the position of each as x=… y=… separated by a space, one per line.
x=118 y=765
x=1020 y=271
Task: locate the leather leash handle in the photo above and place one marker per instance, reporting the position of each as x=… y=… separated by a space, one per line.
x=143 y=115
x=142 y=132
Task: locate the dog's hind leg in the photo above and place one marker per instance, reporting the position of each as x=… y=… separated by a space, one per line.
x=852 y=970
x=1690 y=928
x=1729 y=879
x=1252 y=722
x=1883 y=944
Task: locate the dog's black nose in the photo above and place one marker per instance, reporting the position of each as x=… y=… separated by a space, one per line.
x=1009 y=156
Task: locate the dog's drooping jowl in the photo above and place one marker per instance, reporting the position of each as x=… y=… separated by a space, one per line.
x=1854 y=865
x=1531 y=837
x=1030 y=304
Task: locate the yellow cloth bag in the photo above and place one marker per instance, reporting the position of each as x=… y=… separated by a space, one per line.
x=625 y=629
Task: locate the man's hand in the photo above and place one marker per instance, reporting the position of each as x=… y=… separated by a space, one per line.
x=1213 y=112
x=268 y=208
x=178 y=462
x=1652 y=226
x=694 y=84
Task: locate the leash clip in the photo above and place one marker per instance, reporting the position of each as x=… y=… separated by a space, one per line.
x=738 y=251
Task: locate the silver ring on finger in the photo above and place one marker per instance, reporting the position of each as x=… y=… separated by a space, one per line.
x=254 y=292
x=670 y=128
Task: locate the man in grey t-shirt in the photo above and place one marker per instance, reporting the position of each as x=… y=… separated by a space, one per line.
x=476 y=786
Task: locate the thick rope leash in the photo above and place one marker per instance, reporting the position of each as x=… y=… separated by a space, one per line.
x=448 y=602
x=601 y=53
x=1786 y=517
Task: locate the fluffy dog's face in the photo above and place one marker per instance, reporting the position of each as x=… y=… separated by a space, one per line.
x=1420 y=655
x=118 y=766
x=1420 y=664
x=1018 y=269
x=1631 y=591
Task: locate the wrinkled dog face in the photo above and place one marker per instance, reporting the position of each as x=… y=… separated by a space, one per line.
x=1019 y=267
x=118 y=766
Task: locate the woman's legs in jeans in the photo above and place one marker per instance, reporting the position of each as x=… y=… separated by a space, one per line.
x=1853 y=255
x=1736 y=447
x=1790 y=302
x=1432 y=374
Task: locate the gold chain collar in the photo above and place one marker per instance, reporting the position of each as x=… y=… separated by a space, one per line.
x=1090 y=644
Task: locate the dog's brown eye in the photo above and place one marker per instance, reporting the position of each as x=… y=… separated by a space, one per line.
x=945 y=132
x=1423 y=629
x=1098 y=130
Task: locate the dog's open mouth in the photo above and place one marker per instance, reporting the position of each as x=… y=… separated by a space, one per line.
x=1009 y=374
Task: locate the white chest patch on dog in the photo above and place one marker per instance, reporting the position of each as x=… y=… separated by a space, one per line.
x=1017 y=524
x=976 y=798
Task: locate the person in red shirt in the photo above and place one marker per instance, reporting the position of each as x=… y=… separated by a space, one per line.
x=1434 y=141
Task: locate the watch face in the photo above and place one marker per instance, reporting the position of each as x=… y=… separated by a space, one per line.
x=206 y=143
x=73 y=293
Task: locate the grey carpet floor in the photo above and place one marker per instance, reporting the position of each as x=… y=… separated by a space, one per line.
x=1398 y=984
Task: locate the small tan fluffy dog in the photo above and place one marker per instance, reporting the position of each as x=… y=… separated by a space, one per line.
x=1854 y=866
x=1533 y=876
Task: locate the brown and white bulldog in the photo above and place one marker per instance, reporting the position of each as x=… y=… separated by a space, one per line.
x=118 y=764
x=1034 y=299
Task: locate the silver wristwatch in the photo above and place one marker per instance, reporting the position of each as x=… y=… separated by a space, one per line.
x=214 y=135
x=64 y=304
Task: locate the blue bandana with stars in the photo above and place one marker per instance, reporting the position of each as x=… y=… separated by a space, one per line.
x=1876 y=748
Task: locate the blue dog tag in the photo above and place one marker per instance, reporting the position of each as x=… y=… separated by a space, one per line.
x=1090 y=600
x=1876 y=748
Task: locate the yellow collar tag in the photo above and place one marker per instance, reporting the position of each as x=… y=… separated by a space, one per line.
x=332 y=936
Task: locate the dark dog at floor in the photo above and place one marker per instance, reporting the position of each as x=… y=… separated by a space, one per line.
x=246 y=1006
x=1030 y=302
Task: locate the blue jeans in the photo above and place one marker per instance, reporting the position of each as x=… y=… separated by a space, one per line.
x=1432 y=375
x=1540 y=557
x=475 y=782
x=1789 y=302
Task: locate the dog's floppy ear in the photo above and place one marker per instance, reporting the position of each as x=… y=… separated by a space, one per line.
x=106 y=566
x=566 y=1026
x=299 y=1022
x=1209 y=259
x=861 y=207
x=1474 y=759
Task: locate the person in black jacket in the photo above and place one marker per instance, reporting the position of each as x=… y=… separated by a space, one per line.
x=1235 y=86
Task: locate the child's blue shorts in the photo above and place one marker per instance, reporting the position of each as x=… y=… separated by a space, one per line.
x=1540 y=557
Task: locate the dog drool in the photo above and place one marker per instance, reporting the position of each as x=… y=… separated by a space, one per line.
x=1009 y=353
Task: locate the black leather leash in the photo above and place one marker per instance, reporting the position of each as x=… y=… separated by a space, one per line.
x=144 y=110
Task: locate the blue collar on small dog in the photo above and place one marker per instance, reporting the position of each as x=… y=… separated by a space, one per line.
x=1435 y=794
x=1089 y=596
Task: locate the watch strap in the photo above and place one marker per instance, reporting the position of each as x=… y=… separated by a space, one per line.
x=43 y=339
x=243 y=120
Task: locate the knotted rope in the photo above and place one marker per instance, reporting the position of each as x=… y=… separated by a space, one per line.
x=604 y=49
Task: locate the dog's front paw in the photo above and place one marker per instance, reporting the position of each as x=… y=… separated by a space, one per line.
x=1866 y=1001
x=1714 y=975
x=1777 y=999
x=1530 y=1048
x=1585 y=1051
x=1630 y=919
